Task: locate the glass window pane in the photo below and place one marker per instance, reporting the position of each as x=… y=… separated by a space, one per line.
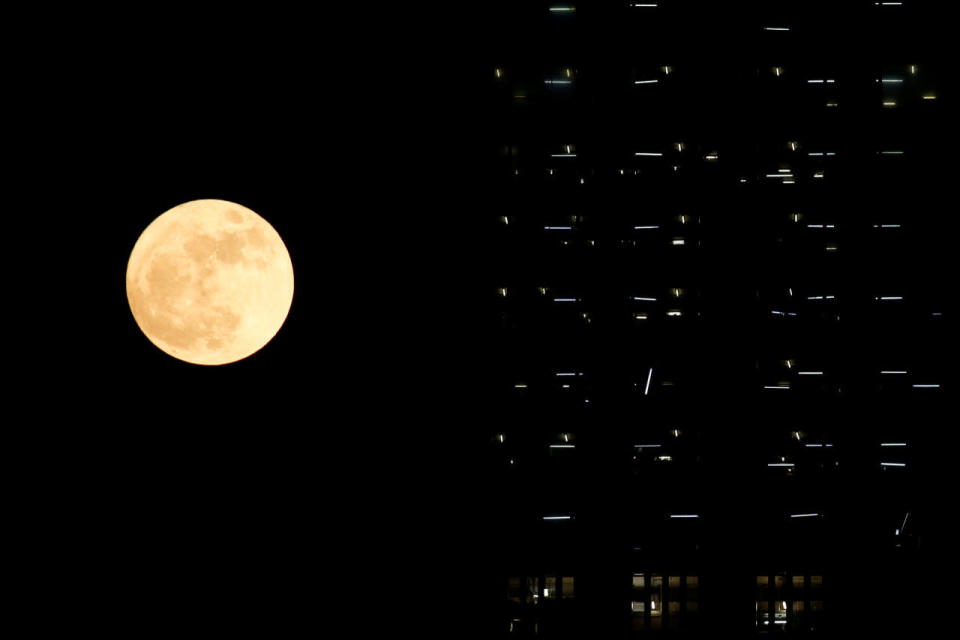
x=639 y=581
x=515 y=589
x=798 y=582
x=550 y=587
x=638 y=606
x=566 y=587
x=674 y=582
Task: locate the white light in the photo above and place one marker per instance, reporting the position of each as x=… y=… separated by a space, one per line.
x=891 y=372
x=557 y=81
x=889 y=226
x=891 y=153
x=890 y=298
x=893 y=464
x=562 y=8
x=783 y=170
x=645 y=299
x=779 y=175
x=563 y=446
x=813 y=445
x=563 y=155
x=777 y=387
x=684 y=515
x=776 y=28
x=665 y=458
x=647 y=153
x=815 y=81
x=930 y=97
x=926 y=386
x=893 y=444
x=644 y=5
x=678 y=241
x=647 y=446
x=804 y=515
x=649 y=226
x=780 y=464
x=645 y=81
x=809 y=373
x=892 y=80
x=649 y=377
x=556 y=517
x=565 y=299
x=674 y=313
x=519 y=386
x=557 y=228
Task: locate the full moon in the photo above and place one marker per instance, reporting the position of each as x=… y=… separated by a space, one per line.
x=209 y=282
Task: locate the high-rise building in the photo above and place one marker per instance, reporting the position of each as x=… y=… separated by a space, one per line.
x=716 y=300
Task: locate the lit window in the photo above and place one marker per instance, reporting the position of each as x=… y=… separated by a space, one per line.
x=550 y=587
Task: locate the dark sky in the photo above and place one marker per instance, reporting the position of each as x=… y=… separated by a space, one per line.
x=331 y=469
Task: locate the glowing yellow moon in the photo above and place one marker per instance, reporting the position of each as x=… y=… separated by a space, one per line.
x=210 y=282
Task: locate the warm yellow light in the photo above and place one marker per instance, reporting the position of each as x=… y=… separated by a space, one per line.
x=209 y=282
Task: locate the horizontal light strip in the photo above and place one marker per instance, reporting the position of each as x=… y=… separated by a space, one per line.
x=645 y=81
x=804 y=515
x=780 y=464
x=893 y=444
x=684 y=515
x=647 y=153
x=893 y=464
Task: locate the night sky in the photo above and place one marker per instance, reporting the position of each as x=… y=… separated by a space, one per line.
x=340 y=472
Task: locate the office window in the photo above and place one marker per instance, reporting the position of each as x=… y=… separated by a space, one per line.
x=566 y=590
x=550 y=587
x=515 y=590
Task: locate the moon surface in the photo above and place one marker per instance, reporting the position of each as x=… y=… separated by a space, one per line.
x=210 y=282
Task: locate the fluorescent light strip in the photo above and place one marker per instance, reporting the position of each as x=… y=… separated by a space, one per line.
x=649 y=377
x=645 y=81
x=556 y=517
x=684 y=515
x=780 y=464
x=892 y=372
x=893 y=464
x=563 y=155
x=893 y=444
x=649 y=226
x=777 y=387
x=809 y=373
x=557 y=228
x=645 y=299
x=804 y=515
x=566 y=299
x=776 y=28
x=647 y=446
x=926 y=386
x=647 y=153
x=563 y=446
